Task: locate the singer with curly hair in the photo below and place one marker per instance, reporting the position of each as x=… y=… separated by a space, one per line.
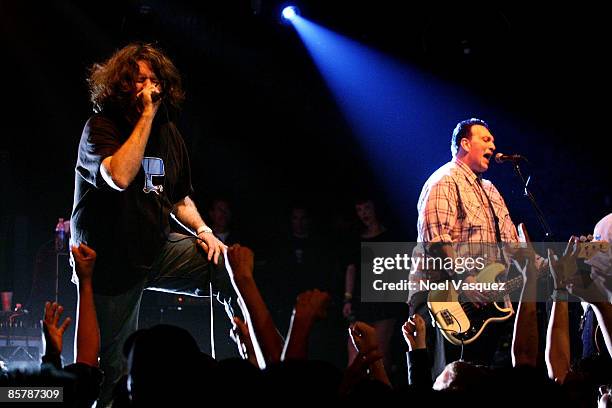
x=132 y=176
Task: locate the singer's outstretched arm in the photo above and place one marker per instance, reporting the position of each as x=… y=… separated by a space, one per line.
x=187 y=214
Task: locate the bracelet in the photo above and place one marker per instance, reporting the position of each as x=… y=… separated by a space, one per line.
x=348 y=297
x=560 y=295
x=202 y=229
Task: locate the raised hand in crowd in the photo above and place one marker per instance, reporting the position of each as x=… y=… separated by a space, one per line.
x=364 y=338
x=241 y=336
x=242 y=261
x=563 y=268
x=310 y=306
x=349 y=287
x=414 y=332
x=84 y=259
x=359 y=370
x=53 y=331
x=566 y=275
x=84 y=379
x=525 y=337
x=557 y=353
x=265 y=339
x=415 y=335
x=88 y=330
x=581 y=285
x=522 y=254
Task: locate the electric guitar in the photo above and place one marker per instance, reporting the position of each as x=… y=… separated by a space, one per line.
x=461 y=321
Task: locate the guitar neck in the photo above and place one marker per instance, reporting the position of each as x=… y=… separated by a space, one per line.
x=515 y=284
x=586 y=251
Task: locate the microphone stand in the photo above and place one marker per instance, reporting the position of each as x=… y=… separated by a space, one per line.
x=543 y=310
x=548 y=235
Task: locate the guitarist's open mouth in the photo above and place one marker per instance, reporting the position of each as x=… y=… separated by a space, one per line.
x=488 y=155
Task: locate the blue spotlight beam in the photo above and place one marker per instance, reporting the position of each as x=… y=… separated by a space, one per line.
x=402 y=118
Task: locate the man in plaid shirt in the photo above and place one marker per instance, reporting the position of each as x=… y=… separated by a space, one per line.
x=458 y=211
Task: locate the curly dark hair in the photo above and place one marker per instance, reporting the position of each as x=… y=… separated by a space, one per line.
x=111 y=83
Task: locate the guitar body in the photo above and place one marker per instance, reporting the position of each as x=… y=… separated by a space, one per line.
x=462 y=322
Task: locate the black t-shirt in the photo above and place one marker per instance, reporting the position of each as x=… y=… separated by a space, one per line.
x=127 y=228
x=355 y=257
x=371 y=312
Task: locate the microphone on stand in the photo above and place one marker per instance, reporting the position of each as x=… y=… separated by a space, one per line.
x=512 y=158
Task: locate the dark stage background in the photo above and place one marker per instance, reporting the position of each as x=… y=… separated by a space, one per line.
x=261 y=124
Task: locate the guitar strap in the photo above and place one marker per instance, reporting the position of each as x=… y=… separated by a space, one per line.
x=495 y=219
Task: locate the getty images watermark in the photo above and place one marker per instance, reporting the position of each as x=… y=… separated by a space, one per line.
x=395 y=271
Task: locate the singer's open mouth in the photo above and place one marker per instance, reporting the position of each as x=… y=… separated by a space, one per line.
x=488 y=156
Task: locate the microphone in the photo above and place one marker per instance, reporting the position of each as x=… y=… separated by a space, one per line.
x=156 y=96
x=513 y=158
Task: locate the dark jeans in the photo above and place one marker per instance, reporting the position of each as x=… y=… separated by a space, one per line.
x=181 y=267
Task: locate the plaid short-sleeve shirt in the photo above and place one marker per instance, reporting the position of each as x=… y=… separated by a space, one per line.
x=453 y=208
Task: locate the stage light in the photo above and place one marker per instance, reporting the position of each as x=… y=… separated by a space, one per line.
x=290 y=12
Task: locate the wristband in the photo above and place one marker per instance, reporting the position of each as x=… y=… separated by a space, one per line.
x=202 y=229
x=560 y=295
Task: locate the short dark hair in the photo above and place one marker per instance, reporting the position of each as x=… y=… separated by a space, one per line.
x=363 y=194
x=462 y=130
x=299 y=205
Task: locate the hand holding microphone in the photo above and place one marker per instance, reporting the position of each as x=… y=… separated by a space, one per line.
x=156 y=96
x=150 y=97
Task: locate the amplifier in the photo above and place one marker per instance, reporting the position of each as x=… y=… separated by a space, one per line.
x=21 y=343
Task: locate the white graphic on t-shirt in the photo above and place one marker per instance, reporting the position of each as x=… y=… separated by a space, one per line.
x=153 y=167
